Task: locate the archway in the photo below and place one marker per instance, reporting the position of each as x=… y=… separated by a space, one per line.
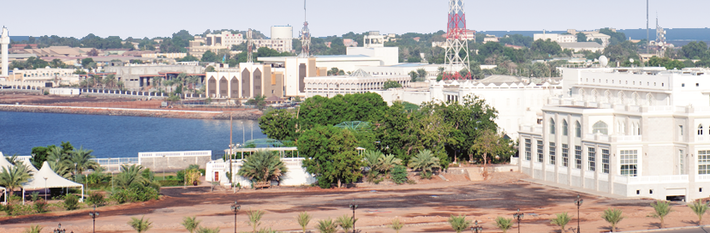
x=223 y=87
x=234 y=90
x=257 y=82
x=246 y=84
x=211 y=86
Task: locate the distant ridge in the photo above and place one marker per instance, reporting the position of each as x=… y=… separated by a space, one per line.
x=675 y=34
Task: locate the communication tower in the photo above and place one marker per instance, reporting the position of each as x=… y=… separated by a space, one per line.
x=305 y=34
x=250 y=49
x=457 y=53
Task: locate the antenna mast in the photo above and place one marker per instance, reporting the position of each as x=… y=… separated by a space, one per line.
x=250 y=50
x=456 y=42
x=305 y=34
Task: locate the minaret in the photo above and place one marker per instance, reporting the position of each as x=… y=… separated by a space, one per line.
x=305 y=35
x=250 y=48
x=5 y=41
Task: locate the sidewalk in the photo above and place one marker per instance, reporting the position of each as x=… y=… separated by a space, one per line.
x=576 y=189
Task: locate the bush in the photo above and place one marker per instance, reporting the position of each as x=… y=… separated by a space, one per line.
x=135 y=194
x=8 y=208
x=46 y=92
x=40 y=206
x=96 y=199
x=164 y=183
x=71 y=202
x=34 y=196
x=399 y=174
x=181 y=175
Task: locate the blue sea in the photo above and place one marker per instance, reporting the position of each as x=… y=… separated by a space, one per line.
x=119 y=136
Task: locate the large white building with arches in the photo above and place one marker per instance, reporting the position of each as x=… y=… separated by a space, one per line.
x=633 y=132
x=244 y=82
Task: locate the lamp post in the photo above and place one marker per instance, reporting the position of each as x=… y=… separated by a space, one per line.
x=75 y=171
x=59 y=229
x=353 y=207
x=518 y=216
x=45 y=189
x=578 y=203
x=93 y=215
x=235 y=209
x=476 y=228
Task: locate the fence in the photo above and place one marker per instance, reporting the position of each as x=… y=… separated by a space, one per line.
x=114 y=164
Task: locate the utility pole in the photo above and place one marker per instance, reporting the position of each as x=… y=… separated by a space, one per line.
x=648 y=39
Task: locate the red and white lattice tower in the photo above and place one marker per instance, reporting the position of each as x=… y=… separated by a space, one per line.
x=250 y=48
x=456 y=42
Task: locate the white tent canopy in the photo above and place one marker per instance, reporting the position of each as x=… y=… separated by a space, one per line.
x=46 y=178
x=4 y=163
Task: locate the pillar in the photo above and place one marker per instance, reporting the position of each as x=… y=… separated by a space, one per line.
x=5 y=41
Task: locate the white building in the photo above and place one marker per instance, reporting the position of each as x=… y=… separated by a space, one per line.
x=296 y=175
x=244 y=82
x=281 y=40
x=555 y=37
x=630 y=132
x=582 y=46
x=358 y=82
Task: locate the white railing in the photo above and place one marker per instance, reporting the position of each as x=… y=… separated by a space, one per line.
x=702 y=177
x=589 y=174
x=658 y=179
x=576 y=172
x=702 y=138
x=537 y=165
x=660 y=108
x=627 y=138
x=621 y=179
x=175 y=154
x=603 y=177
x=597 y=137
x=680 y=109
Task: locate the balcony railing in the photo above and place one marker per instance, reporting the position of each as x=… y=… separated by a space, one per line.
x=658 y=179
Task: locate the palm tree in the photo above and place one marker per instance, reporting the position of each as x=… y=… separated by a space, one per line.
x=82 y=159
x=372 y=159
x=34 y=229
x=259 y=101
x=208 y=230
x=504 y=224
x=459 y=223
x=613 y=217
x=255 y=218
x=130 y=175
x=13 y=159
x=388 y=162
x=303 y=219
x=190 y=223
x=425 y=162
x=14 y=177
x=327 y=226
x=346 y=222
x=561 y=220
x=396 y=225
x=661 y=210
x=140 y=225
x=699 y=208
x=263 y=166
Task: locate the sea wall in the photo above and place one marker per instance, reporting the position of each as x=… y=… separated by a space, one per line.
x=187 y=114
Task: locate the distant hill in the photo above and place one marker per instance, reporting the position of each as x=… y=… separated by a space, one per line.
x=672 y=35
x=19 y=38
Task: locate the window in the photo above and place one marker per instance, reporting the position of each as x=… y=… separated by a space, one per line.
x=552 y=126
x=552 y=153
x=605 y=161
x=680 y=130
x=628 y=160
x=539 y=151
x=700 y=129
x=591 y=159
x=578 y=129
x=681 y=163
x=565 y=128
x=528 y=149
x=704 y=162
x=565 y=155
x=578 y=156
x=600 y=127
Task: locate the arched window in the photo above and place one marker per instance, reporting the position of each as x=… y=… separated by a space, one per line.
x=700 y=129
x=565 y=128
x=600 y=127
x=578 y=130
x=552 y=126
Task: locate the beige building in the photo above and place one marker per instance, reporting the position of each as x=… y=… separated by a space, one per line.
x=244 y=82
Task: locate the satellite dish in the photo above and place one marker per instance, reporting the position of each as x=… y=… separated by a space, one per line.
x=603 y=61
x=631 y=60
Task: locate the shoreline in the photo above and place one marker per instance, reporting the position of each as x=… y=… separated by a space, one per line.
x=160 y=113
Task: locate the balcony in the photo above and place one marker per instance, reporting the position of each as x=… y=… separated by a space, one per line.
x=677 y=179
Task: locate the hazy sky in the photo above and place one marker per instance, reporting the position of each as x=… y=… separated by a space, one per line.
x=151 y=18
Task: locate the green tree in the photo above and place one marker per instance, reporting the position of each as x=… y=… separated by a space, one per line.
x=190 y=223
x=396 y=132
x=346 y=222
x=699 y=208
x=259 y=101
x=209 y=56
x=422 y=74
x=561 y=220
x=278 y=124
x=613 y=217
x=504 y=224
x=208 y=230
x=581 y=37
x=330 y=155
x=86 y=62
x=82 y=159
x=425 y=162
x=661 y=209
x=396 y=225
x=547 y=47
x=695 y=50
x=263 y=166
x=391 y=84
x=209 y=69
x=487 y=144
x=413 y=75
x=459 y=223
x=327 y=226
x=14 y=177
x=303 y=219
x=140 y=225
x=255 y=218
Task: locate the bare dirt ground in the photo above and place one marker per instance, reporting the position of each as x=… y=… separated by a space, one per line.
x=423 y=207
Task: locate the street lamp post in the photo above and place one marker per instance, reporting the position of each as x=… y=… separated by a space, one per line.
x=75 y=171
x=578 y=203
x=59 y=229
x=235 y=209
x=353 y=207
x=93 y=215
x=45 y=189
x=518 y=216
x=476 y=228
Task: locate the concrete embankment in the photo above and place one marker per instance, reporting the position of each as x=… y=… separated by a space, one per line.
x=167 y=113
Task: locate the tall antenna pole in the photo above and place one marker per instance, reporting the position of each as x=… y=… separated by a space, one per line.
x=250 y=51
x=456 y=41
x=648 y=39
x=305 y=34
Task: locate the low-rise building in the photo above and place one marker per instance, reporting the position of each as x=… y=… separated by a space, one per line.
x=357 y=82
x=582 y=46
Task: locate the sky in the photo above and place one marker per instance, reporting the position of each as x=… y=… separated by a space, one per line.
x=160 y=18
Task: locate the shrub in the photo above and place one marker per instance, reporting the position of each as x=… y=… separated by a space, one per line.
x=35 y=196
x=71 y=202
x=399 y=174
x=165 y=183
x=96 y=199
x=120 y=196
x=40 y=206
x=8 y=208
